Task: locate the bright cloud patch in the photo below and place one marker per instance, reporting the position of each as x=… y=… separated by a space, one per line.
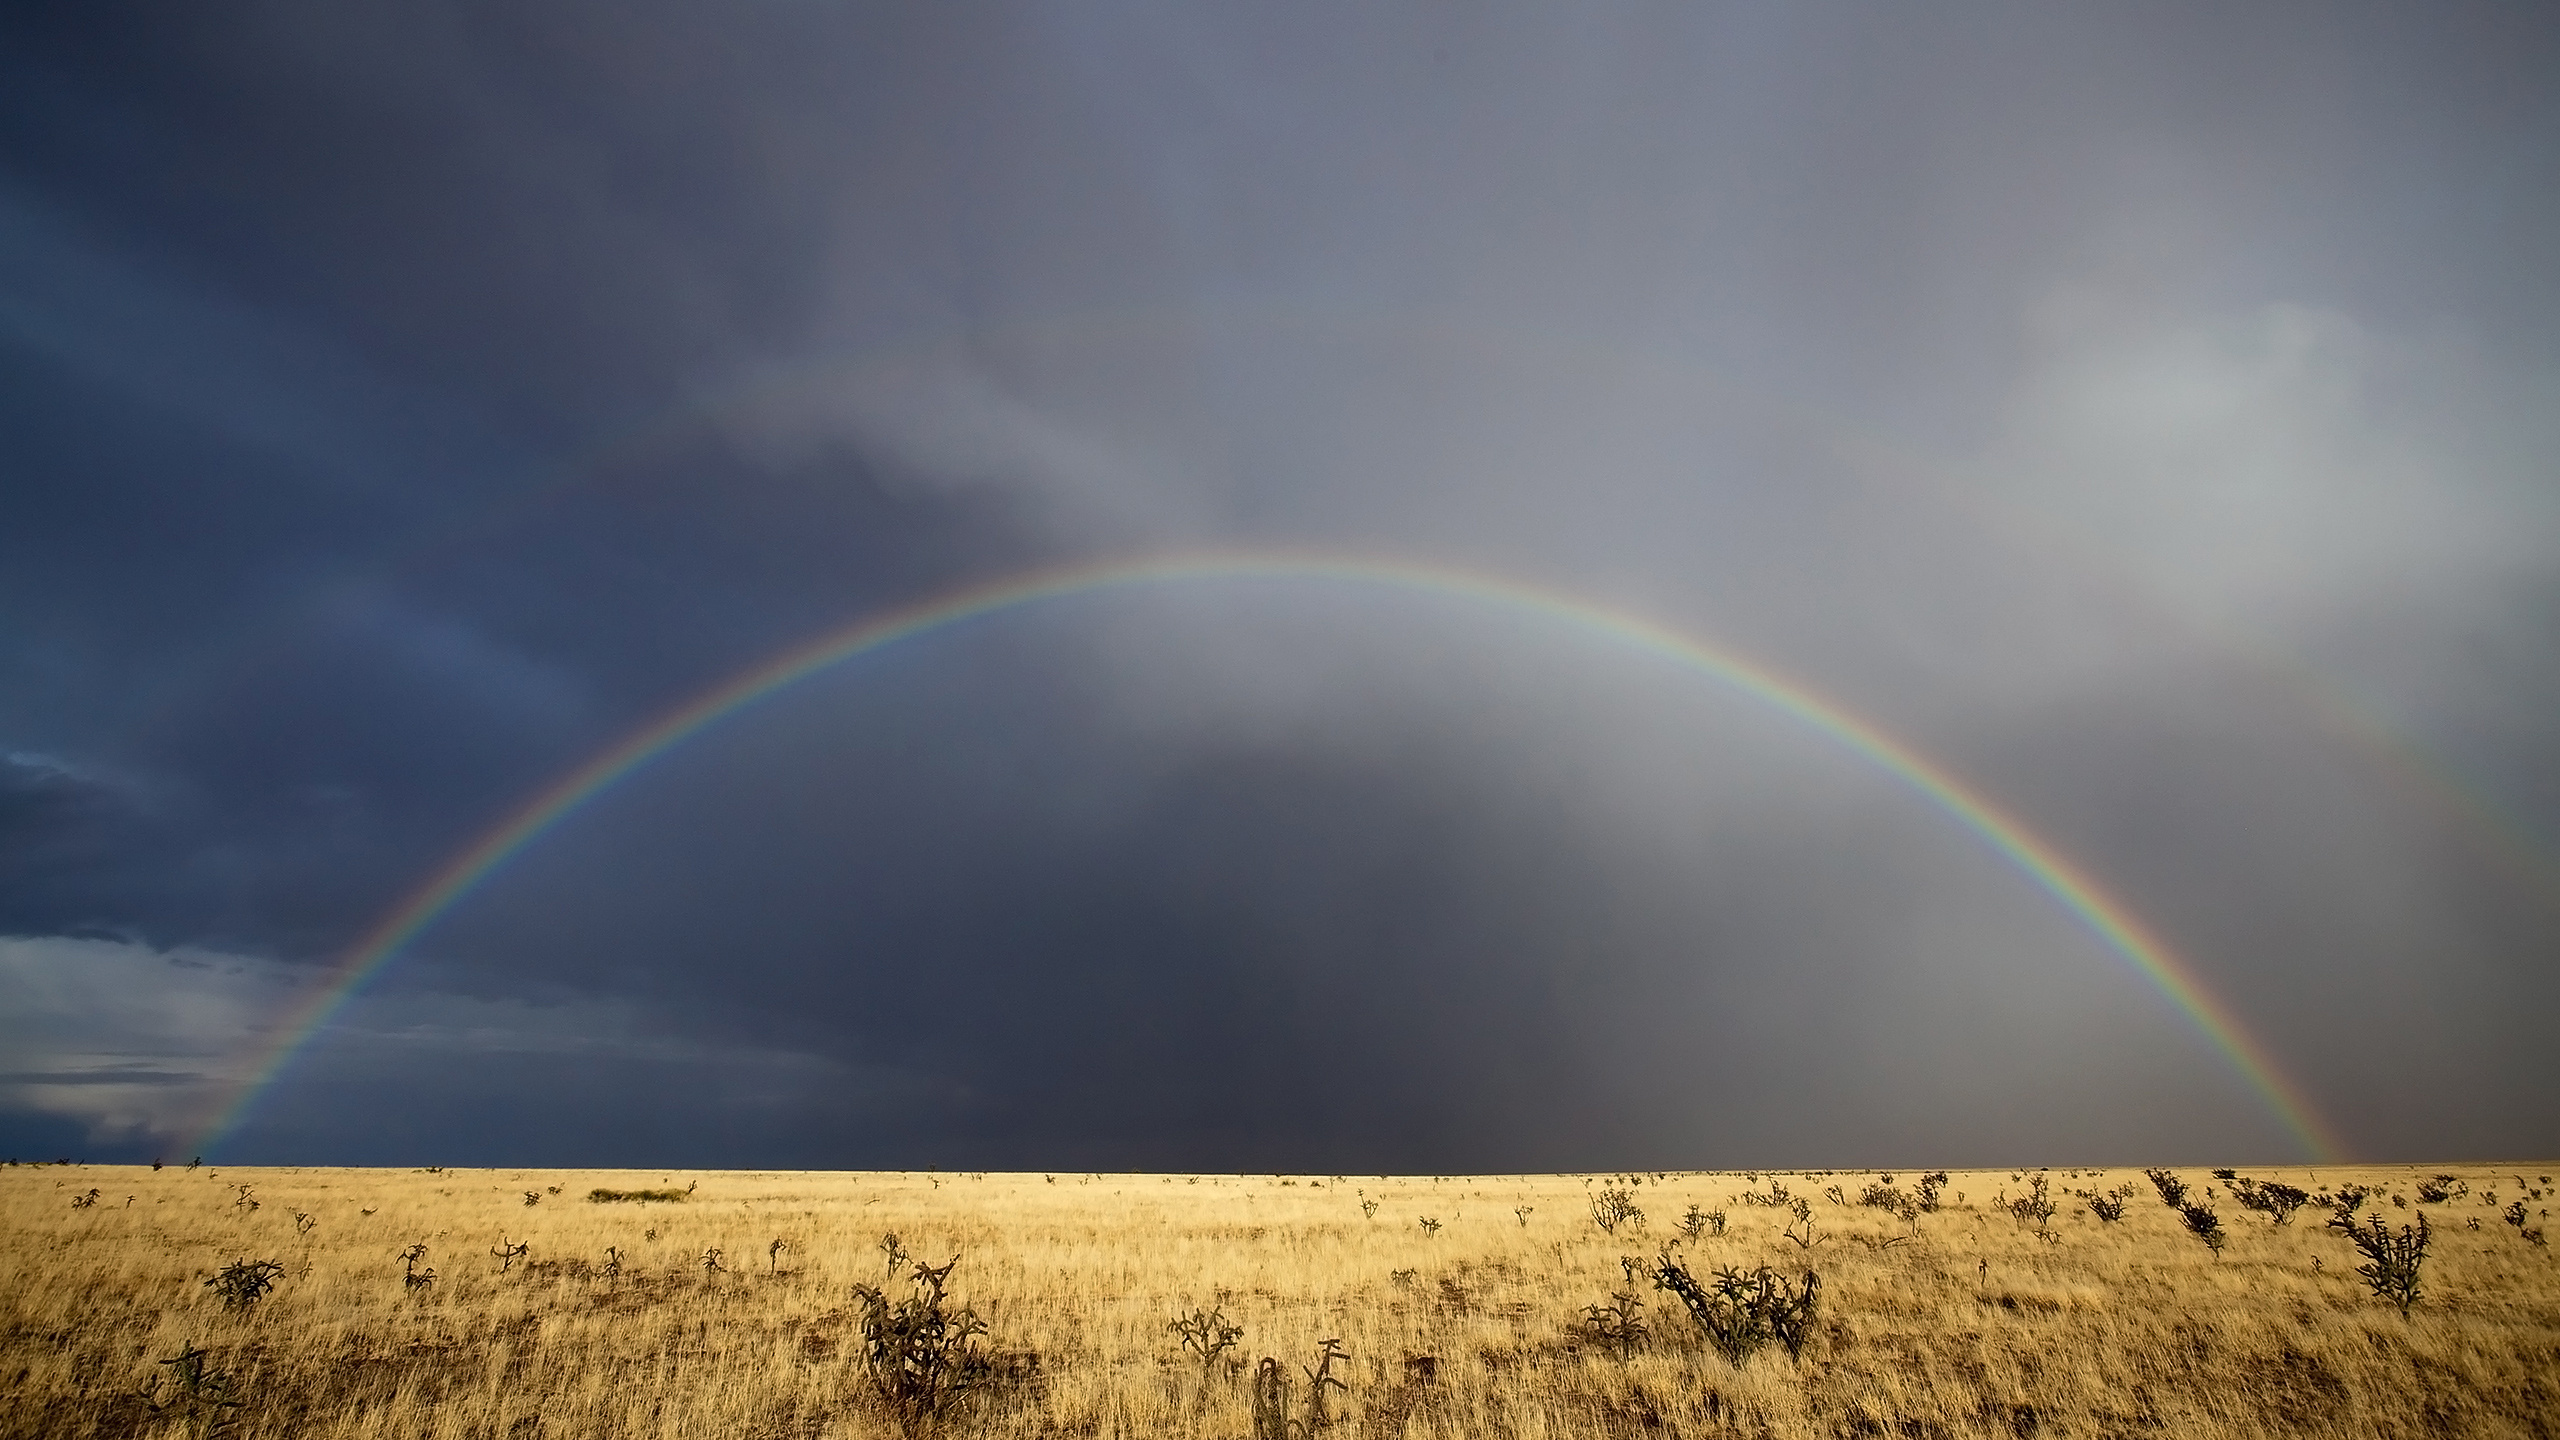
x=146 y=1049
x=132 y=1043
x=2275 y=462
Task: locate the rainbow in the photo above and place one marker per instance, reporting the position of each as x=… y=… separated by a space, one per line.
x=2009 y=837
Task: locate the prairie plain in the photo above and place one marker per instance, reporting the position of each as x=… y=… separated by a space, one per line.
x=1478 y=1306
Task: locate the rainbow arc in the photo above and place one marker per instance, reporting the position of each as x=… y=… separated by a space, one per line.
x=2078 y=893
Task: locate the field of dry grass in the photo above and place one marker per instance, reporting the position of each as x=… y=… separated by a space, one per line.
x=1975 y=1326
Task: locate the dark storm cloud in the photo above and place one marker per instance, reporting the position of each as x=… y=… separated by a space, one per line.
x=2139 y=411
x=58 y=830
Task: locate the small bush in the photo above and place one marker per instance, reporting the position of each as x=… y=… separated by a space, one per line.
x=1320 y=1378
x=2441 y=1189
x=2275 y=1201
x=411 y=1277
x=2037 y=1206
x=2515 y=1215
x=918 y=1350
x=2204 y=1225
x=1883 y=1196
x=2108 y=1205
x=2173 y=1191
x=1271 y=1400
x=1800 y=1228
x=1207 y=1334
x=244 y=1283
x=1618 y=1324
x=2391 y=1261
x=203 y=1396
x=1614 y=1206
x=1740 y=1311
x=1271 y=1391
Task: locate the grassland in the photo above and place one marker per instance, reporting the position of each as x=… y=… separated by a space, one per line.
x=1975 y=1325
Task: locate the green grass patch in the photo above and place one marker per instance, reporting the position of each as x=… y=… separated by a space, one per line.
x=602 y=1196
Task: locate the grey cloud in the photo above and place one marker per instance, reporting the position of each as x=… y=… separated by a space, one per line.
x=114 y=1075
x=2281 y=464
x=2143 y=412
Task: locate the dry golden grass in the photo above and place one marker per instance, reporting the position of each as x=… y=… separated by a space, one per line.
x=1976 y=1328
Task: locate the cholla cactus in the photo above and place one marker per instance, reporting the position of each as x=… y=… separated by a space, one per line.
x=1740 y=1310
x=2273 y=1199
x=1618 y=1324
x=2108 y=1205
x=412 y=1278
x=1801 y=1227
x=2391 y=1260
x=2203 y=1224
x=2036 y=1205
x=1207 y=1334
x=918 y=1350
x=2173 y=1191
x=244 y=1283
x=1320 y=1378
x=1614 y=1206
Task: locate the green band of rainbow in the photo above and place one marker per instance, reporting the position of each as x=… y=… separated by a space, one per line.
x=2004 y=833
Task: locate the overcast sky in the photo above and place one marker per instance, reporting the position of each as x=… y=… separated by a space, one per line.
x=2150 y=414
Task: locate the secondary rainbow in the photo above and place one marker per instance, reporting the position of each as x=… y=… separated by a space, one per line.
x=2074 y=889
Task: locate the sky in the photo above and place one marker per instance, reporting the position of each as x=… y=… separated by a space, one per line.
x=1606 y=500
